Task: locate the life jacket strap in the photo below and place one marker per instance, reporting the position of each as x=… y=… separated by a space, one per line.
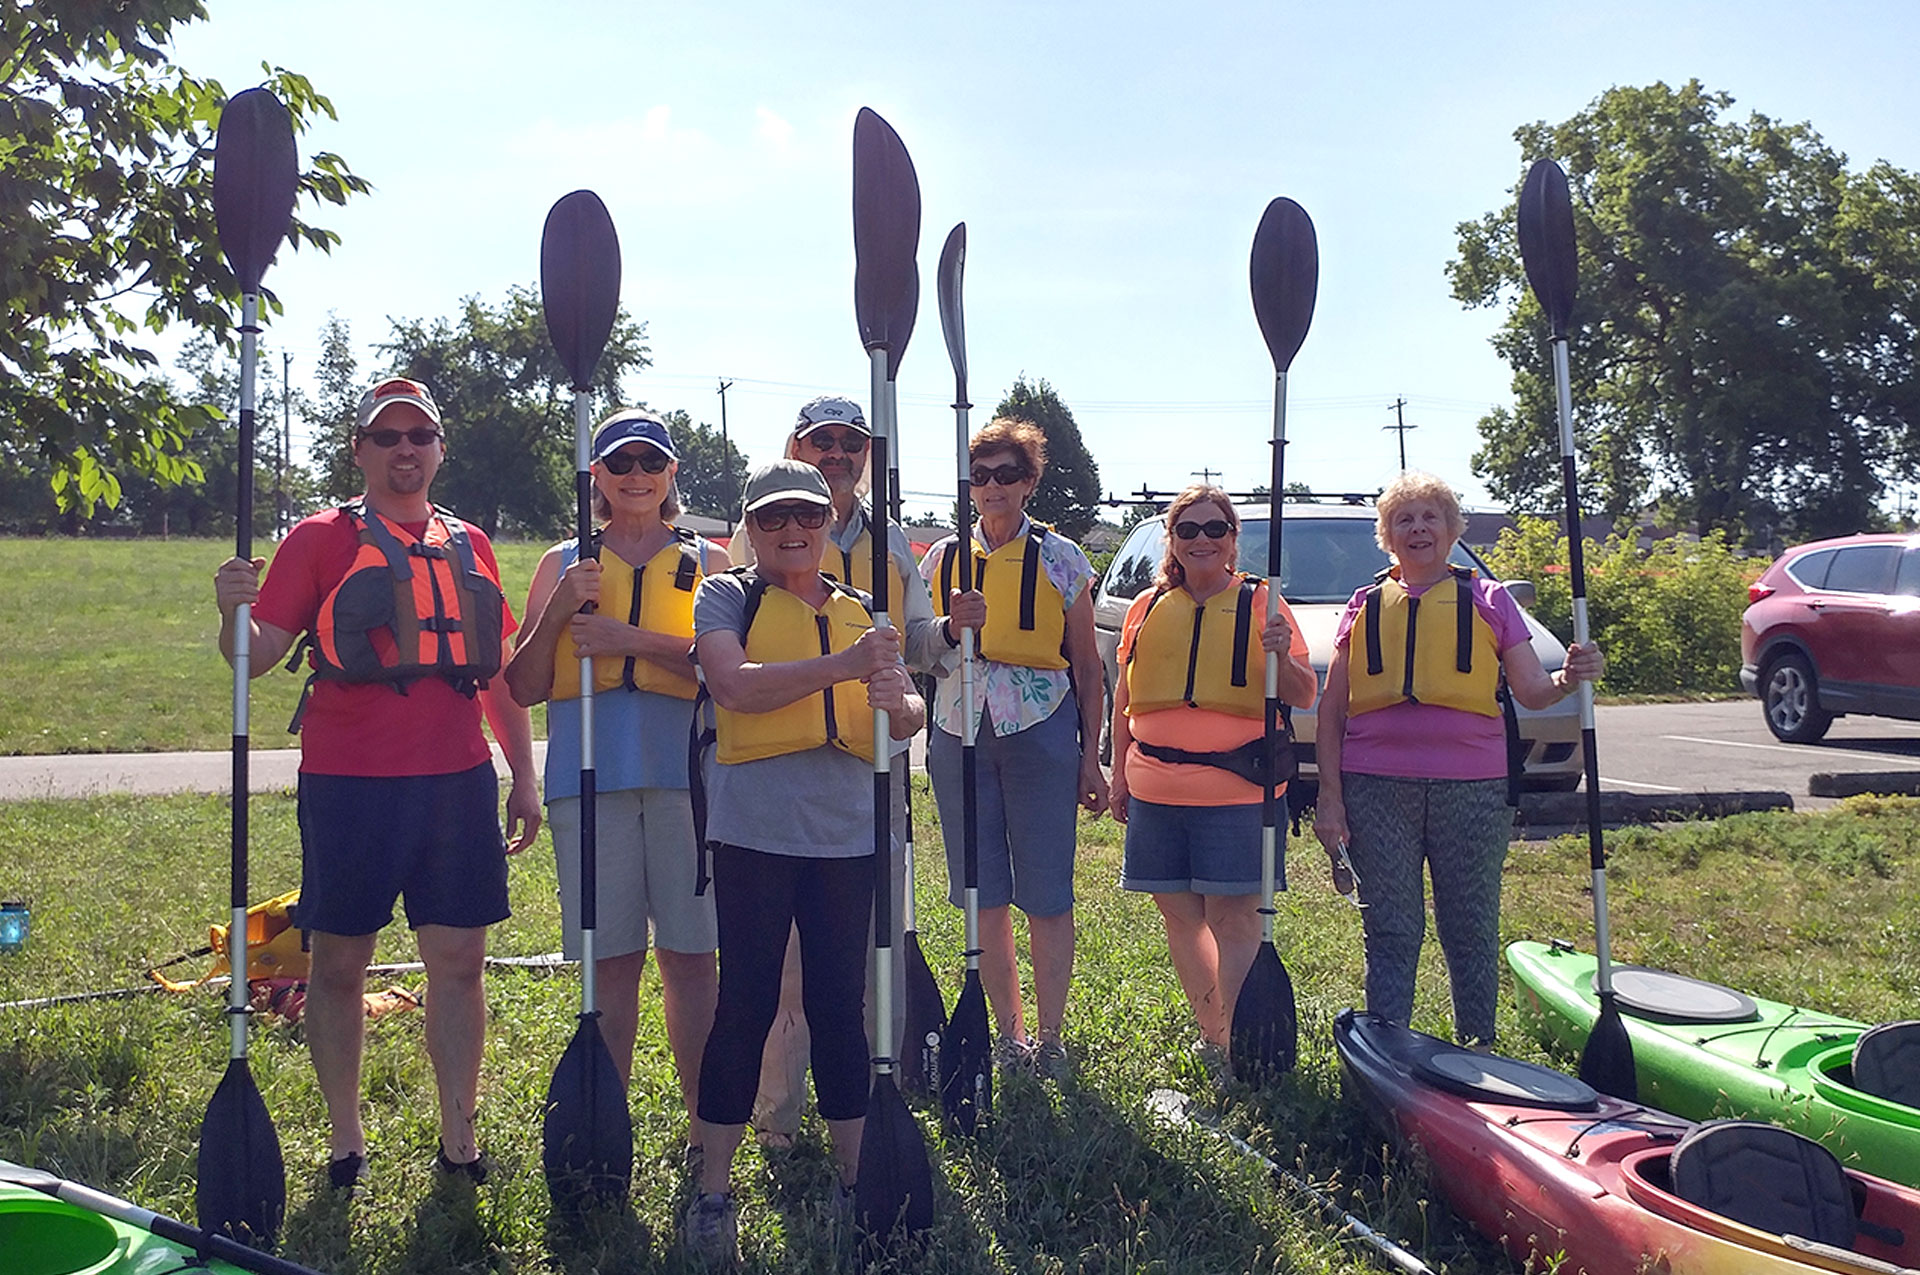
x=1250 y=761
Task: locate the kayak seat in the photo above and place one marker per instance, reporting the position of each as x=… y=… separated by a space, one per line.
x=1766 y=1177
x=1886 y=1062
x=1661 y=996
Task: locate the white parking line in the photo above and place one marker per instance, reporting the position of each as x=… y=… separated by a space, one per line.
x=1809 y=753
x=1632 y=783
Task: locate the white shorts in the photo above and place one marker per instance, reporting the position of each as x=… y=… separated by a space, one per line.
x=645 y=862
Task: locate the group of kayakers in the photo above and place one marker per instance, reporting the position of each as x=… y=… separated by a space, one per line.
x=408 y=626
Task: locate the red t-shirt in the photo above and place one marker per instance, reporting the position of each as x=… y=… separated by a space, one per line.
x=356 y=728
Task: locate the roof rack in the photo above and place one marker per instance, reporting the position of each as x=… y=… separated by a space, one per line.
x=1145 y=497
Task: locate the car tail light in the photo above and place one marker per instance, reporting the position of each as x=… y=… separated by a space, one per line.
x=1758 y=591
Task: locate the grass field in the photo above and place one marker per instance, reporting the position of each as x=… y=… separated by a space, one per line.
x=109 y=647
x=1074 y=1178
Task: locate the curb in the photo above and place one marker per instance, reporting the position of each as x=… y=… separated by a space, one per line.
x=1853 y=783
x=1561 y=809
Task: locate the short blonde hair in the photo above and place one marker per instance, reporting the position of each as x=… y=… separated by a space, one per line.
x=1414 y=485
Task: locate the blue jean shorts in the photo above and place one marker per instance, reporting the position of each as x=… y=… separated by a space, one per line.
x=1198 y=849
x=1028 y=809
x=367 y=840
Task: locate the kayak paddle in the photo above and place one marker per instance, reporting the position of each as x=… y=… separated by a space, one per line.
x=1552 y=261
x=966 y=1049
x=895 y=1187
x=1285 y=272
x=924 y=1009
x=241 y=1187
x=206 y=1243
x=587 y=1141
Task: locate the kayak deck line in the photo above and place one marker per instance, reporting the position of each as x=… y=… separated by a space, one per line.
x=1787 y=1064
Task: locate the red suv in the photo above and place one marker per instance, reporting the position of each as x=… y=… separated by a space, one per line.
x=1834 y=628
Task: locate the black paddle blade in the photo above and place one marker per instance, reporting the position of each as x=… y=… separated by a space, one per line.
x=1265 y=1036
x=241 y=1189
x=926 y=1014
x=900 y=330
x=579 y=282
x=1547 y=244
x=1285 y=273
x=1607 y=1061
x=966 y=1060
x=893 y=1197
x=255 y=172
x=953 y=321
x=586 y=1147
x=886 y=233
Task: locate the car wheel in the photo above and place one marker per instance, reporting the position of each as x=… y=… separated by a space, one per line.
x=1553 y=783
x=1789 y=693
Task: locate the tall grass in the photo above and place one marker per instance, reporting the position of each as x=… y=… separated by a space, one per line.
x=1073 y=1177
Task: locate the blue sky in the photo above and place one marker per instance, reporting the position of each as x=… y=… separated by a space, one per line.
x=1110 y=160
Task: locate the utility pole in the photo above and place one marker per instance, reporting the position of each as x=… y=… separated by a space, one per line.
x=726 y=455
x=1204 y=475
x=282 y=515
x=1398 y=408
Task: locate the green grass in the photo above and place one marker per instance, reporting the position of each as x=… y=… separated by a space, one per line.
x=110 y=647
x=1069 y=1178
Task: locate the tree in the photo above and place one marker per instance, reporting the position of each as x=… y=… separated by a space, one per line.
x=507 y=407
x=1069 y=492
x=711 y=479
x=106 y=226
x=1745 y=335
x=330 y=417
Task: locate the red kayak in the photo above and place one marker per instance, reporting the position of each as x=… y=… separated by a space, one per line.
x=1571 y=1180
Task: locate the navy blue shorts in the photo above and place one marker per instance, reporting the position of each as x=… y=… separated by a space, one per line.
x=1198 y=849
x=368 y=840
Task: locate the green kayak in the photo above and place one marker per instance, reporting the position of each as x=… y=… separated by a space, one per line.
x=44 y=1235
x=1702 y=1051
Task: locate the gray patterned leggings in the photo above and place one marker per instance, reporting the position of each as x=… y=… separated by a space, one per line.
x=1459 y=828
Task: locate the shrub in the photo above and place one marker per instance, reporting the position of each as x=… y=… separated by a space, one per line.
x=1668 y=618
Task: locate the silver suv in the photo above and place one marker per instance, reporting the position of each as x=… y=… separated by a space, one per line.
x=1327 y=552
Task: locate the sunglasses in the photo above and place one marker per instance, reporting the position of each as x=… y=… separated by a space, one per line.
x=419 y=436
x=1005 y=475
x=653 y=460
x=1217 y=529
x=774 y=517
x=825 y=440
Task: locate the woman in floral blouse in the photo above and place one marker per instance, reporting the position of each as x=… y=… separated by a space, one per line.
x=1038 y=704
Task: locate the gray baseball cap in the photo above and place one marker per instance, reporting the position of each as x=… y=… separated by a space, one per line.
x=786 y=480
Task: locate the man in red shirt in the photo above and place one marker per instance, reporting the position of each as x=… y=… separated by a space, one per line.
x=397 y=794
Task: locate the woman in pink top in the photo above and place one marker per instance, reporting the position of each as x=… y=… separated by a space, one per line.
x=1188 y=720
x=1412 y=753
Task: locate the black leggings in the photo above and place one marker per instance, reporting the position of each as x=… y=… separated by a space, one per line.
x=758 y=898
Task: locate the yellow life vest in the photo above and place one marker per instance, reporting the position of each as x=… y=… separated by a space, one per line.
x=1204 y=655
x=1026 y=614
x=1433 y=649
x=656 y=596
x=855 y=566
x=782 y=628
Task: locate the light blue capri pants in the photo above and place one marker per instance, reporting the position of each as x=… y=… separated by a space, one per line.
x=1027 y=806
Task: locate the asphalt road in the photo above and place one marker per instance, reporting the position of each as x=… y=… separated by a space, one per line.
x=1667 y=748
x=1645 y=748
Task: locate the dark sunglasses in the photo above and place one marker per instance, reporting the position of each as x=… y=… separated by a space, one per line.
x=419 y=436
x=653 y=460
x=853 y=442
x=774 y=517
x=1005 y=475
x=1217 y=529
